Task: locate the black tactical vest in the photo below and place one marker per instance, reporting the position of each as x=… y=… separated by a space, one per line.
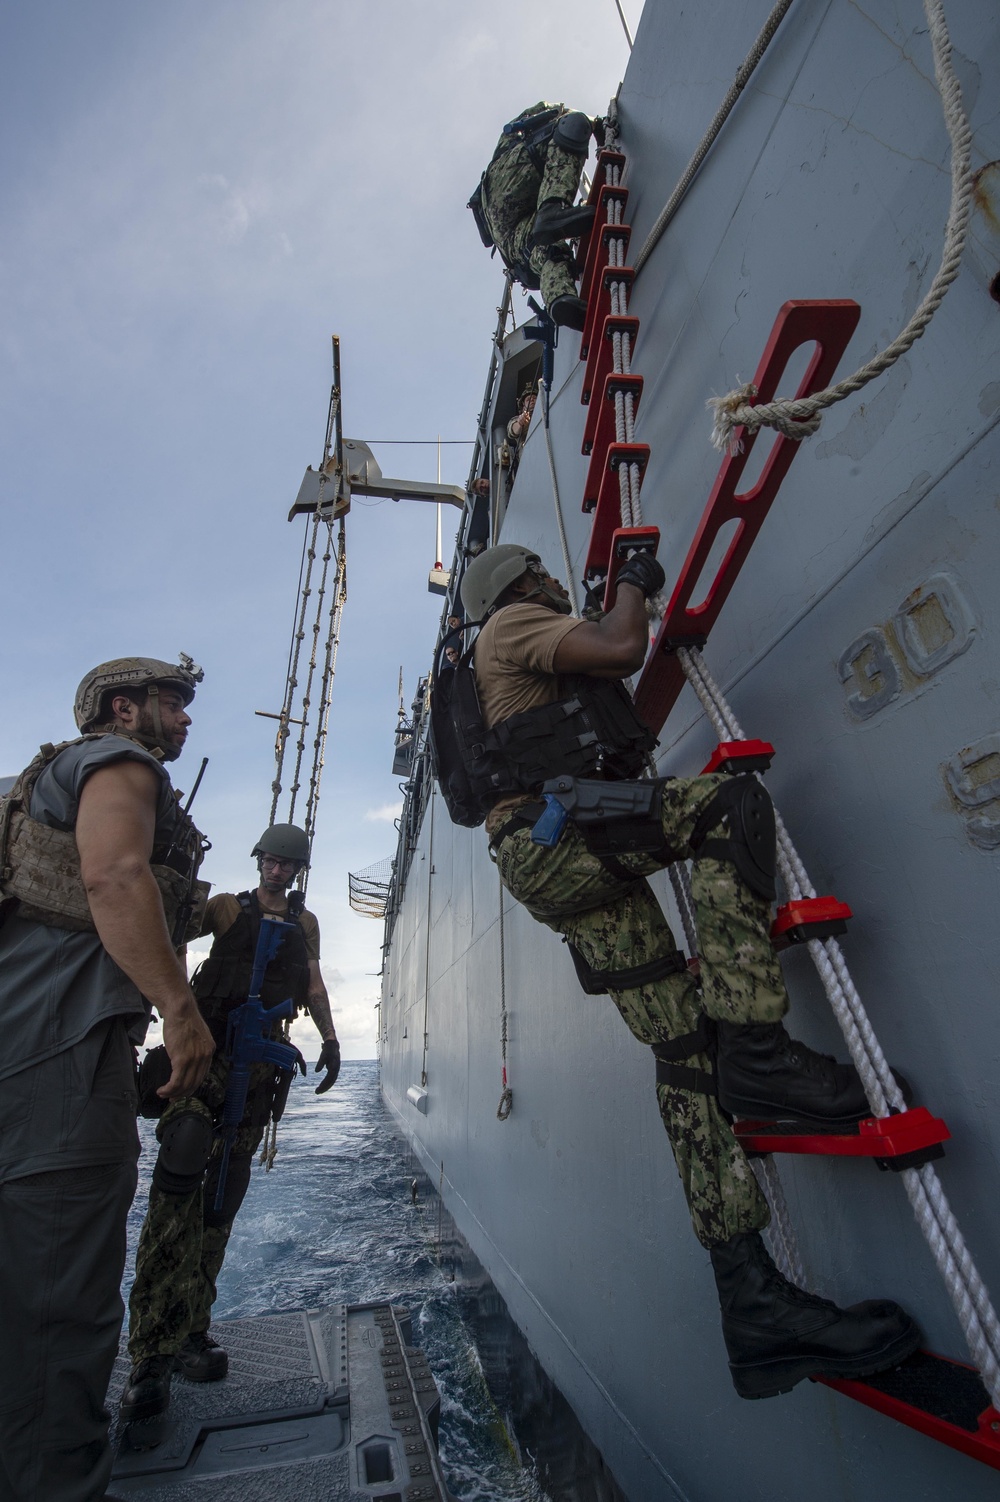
x=593 y=731
x=222 y=982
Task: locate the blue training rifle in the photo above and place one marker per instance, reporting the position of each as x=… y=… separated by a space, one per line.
x=247 y=1041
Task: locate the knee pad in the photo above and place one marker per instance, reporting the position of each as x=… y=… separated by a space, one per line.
x=185 y=1144
x=237 y=1183
x=573 y=132
x=750 y=843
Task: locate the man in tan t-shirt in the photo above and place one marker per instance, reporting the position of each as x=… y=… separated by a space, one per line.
x=715 y=1026
x=184 y=1238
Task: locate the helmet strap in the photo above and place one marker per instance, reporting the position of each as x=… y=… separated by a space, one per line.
x=562 y=606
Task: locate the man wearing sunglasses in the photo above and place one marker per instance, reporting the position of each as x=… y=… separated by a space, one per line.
x=184 y=1238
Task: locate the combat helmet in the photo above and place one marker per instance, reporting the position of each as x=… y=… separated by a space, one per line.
x=131 y=673
x=287 y=841
x=488 y=576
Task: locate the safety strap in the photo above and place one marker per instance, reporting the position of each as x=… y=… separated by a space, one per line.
x=522 y=818
x=252 y=912
x=600 y=982
x=667 y=1052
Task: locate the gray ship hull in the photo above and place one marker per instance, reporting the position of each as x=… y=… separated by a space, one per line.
x=861 y=640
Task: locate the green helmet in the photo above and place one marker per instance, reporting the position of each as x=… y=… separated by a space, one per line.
x=287 y=841
x=131 y=673
x=487 y=576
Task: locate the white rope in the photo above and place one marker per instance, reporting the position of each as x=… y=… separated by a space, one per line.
x=739 y=83
x=800 y=419
x=560 y=524
x=968 y=1293
x=781 y=1232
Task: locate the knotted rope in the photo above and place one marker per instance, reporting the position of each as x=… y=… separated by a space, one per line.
x=800 y=419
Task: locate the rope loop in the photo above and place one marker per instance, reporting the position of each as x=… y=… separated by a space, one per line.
x=801 y=418
x=506 y=1104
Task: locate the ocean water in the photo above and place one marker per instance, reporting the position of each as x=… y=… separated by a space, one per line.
x=334 y=1222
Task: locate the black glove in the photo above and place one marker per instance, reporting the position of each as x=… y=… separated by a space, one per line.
x=644 y=572
x=329 y=1059
x=600 y=128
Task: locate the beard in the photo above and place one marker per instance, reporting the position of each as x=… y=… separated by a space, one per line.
x=146 y=732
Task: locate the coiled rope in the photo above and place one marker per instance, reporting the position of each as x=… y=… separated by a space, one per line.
x=800 y=419
x=969 y=1295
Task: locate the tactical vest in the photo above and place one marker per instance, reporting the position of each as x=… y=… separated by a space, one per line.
x=40 y=866
x=222 y=982
x=593 y=731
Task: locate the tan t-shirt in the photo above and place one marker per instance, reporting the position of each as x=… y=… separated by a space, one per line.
x=222 y=911
x=513 y=661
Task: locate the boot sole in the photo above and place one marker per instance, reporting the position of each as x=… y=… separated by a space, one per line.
x=770 y=1379
x=745 y=1109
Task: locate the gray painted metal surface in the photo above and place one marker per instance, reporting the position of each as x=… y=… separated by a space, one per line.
x=861 y=639
x=334 y=1404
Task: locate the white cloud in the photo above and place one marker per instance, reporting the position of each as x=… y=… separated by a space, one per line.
x=385 y=813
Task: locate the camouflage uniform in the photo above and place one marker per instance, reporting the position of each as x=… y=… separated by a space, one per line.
x=183 y=1242
x=513 y=190
x=616 y=924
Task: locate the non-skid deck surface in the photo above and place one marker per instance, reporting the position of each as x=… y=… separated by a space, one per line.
x=332 y=1404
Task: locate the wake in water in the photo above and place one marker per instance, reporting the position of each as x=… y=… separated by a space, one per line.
x=334 y=1223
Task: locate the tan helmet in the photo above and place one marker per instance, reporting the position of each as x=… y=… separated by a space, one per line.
x=487 y=576
x=131 y=673
x=286 y=841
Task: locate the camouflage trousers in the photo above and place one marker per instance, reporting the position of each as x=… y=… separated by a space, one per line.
x=512 y=194
x=183 y=1241
x=617 y=924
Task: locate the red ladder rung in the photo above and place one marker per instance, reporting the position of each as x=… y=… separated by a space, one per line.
x=809 y=918
x=626 y=540
x=601 y=356
x=740 y=756
x=883 y=1137
x=933 y=1394
x=600 y=236
x=599 y=430
x=599 y=301
x=607 y=505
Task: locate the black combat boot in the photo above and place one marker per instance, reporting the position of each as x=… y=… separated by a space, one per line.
x=762 y=1072
x=560 y=221
x=568 y=311
x=777 y=1334
x=201 y=1359
x=147 y=1391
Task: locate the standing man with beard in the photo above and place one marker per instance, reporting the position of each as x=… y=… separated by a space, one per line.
x=184 y=1237
x=96 y=860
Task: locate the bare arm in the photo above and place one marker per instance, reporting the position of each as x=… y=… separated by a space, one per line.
x=114 y=835
x=613 y=647
x=319 y=1004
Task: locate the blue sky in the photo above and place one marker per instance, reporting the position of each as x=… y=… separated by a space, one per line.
x=196 y=196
